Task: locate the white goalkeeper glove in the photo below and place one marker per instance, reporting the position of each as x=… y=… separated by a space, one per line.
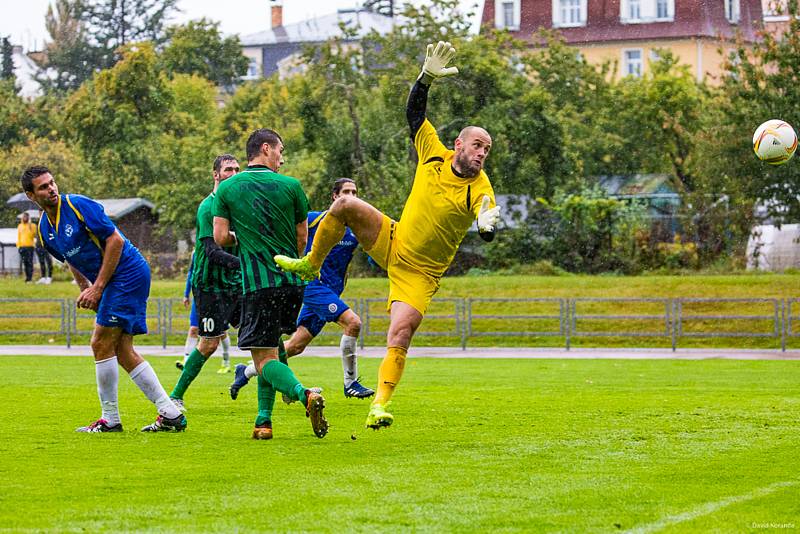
x=488 y=217
x=436 y=59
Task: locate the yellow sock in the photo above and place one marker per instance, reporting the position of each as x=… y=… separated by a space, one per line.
x=389 y=374
x=329 y=233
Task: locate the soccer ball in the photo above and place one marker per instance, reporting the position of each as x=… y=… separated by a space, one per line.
x=775 y=142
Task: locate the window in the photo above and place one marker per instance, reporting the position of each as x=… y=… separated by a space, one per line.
x=632 y=62
x=507 y=14
x=775 y=10
x=639 y=11
x=568 y=13
x=252 y=68
x=732 y=11
x=634 y=10
x=662 y=9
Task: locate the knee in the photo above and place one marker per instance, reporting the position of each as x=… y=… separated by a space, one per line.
x=101 y=347
x=207 y=346
x=342 y=206
x=400 y=335
x=353 y=327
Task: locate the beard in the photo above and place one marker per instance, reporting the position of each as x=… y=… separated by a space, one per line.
x=466 y=167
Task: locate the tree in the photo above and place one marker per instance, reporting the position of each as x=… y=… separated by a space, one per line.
x=69 y=59
x=667 y=109
x=7 y=70
x=115 y=23
x=117 y=117
x=760 y=83
x=86 y=35
x=198 y=47
x=14 y=115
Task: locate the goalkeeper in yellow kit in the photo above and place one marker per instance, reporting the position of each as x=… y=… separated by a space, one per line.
x=450 y=191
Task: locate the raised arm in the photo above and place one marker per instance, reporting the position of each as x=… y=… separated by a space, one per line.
x=415 y=108
x=435 y=66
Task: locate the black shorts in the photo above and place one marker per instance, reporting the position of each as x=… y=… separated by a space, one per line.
x=216 y=311
x=268 y=313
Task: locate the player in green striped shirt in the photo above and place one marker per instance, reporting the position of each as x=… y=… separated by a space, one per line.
x=216 y=283
x=268 y=211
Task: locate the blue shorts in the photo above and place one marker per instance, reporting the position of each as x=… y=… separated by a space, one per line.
x=193 y=320
x=320 y=306
x=124 y=303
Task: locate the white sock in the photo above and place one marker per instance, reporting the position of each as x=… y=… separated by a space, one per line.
x=250 y=370
x=226 y=347
x=145 y=378
x=349 y=361
x=107 y=380
x=189 y=346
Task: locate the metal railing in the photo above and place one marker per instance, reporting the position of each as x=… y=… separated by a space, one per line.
x=457 y=320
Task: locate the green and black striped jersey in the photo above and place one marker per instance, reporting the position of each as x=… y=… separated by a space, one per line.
x=264 y=207
x=206 y=275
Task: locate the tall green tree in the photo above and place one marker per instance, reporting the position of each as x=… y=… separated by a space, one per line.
x=7 y=67
x=115 y=23
x=660 y=117
x=198 y=47
x=69 y=59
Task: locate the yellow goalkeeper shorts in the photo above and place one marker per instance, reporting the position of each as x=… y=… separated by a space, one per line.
x=406 y=283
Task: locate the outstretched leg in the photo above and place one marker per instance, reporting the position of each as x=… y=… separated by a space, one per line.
x=346 y=211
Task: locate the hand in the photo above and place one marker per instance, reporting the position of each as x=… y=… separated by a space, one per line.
x=488 y=217
x=436 y=60
x=186 y=302
x=90 y=298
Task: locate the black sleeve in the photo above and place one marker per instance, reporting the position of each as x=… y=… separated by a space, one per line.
x=415 y=108
x=486 y=236
x=216 y=255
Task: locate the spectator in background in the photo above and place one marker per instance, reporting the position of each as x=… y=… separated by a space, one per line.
x=26 y=232
x=45 y=263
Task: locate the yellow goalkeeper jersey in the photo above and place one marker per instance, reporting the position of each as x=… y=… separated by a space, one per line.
x=440 y=208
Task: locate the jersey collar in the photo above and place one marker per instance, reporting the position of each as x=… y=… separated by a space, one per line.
x=58 y=216
x=258 y=166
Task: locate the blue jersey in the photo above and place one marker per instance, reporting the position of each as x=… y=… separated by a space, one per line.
x=79 y=235
x=334 y=268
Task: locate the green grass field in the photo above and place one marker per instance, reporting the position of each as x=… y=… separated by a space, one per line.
x=477 y=445
x=775 y=286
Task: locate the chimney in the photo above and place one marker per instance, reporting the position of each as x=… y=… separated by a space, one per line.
x=277 y=13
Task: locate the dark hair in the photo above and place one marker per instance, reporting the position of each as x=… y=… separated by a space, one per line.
x=31 y=173
x=222 y=157
x=337 y=185
x=258 y=138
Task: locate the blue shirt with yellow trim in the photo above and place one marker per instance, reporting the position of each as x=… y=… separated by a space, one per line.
x=78 y=237
x=334 y=269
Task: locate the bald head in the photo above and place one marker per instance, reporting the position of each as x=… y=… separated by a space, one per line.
x=472 y=147
x=473 y=130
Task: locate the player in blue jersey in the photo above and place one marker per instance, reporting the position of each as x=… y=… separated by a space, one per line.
x=114 y=279
x=322 y=304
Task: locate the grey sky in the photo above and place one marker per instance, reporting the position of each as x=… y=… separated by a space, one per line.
x=23 y=20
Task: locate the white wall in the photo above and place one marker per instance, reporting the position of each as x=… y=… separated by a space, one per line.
x=773 y=249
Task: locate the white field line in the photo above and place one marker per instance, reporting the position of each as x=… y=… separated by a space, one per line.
x=710 y=508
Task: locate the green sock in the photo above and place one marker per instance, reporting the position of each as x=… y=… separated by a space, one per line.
x=282 y=356
x=266 y=400
x=282 y=379
x=190 y=371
